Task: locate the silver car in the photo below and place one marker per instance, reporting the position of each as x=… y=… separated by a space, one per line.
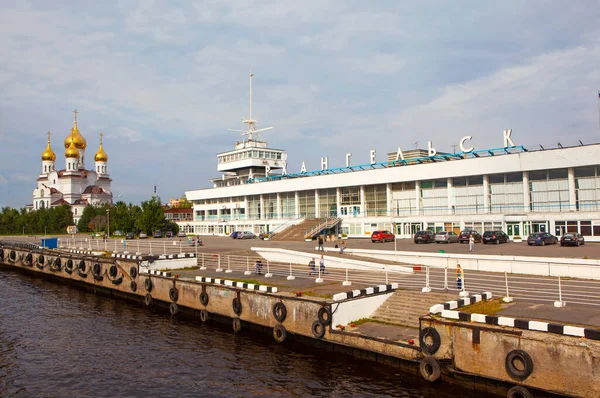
x=245 y=235
x=446 y=237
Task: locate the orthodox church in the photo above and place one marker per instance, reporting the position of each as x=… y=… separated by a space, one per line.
x=74 y=185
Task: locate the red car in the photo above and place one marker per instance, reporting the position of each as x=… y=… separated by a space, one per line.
x=382 y=236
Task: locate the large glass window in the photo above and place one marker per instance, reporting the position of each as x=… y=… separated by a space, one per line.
x=327 y=202
x=376 y=200
x=350 y=195
x=306 y=203
x=288 y=204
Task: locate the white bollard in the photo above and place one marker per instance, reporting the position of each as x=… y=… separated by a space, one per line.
x=463 y=292
x=346 y=282
x=138 y=252
x=228 y=270
x=427 y=288
x=268 y=274
x=559 y=303
x=247 y=272
x=446 y=278
x=219 y=269
x=507 y=299
x=290 y=276
x=203 y=267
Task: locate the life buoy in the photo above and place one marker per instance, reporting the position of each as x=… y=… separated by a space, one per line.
x=204 y=298
x=318 y=329
x=430 y=340
x=112 y=271
x=324 y=316
x=148 y=299
x=519 y=392
x=173 y=309
x=133 y=286
x=237 y=325
x=96 y=269
x=237 y=306
x=430 y=369
x=173 y=294
x=279 y=333
x=148 y=284
x=203 y=315
x=133 y=272
x=519 y=364
x=279 y=311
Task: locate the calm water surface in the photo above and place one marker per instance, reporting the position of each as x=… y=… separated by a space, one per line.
x=60 y=341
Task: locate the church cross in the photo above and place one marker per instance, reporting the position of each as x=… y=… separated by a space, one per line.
x=49 y=134
x=75 y=112
x=101 y=138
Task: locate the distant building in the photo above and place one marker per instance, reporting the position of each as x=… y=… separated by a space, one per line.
x=177 y=214
x=74 y=185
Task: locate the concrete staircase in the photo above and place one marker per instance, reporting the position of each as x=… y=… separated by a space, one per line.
x=405 y=307
x=296 y=232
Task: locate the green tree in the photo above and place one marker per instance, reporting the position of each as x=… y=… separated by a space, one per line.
x=184 y=203
x=152 y=217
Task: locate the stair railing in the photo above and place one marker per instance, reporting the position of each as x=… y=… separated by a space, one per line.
x=325 y=224
x=285 y=225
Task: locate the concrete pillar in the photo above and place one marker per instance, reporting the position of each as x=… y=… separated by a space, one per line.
x=296 y=204
x=526 y=195
x=278 y=211
x=418 y=197
x=317 y=213
x=572 y=193
x=450 y=194
x=262 y=208
x=389 y=201
x=486 y=194
x=363 y=202
x=338 y=201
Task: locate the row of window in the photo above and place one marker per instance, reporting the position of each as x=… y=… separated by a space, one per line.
x=251 y=154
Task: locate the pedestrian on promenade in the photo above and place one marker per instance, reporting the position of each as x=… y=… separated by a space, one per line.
x=320 y=240
x=471 y=243
x=342 y=247
x=258 y=267
x=312 y=266
x=459 y=276
x=322 y=265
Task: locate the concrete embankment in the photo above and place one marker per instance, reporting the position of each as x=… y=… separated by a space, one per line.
x=490 y=358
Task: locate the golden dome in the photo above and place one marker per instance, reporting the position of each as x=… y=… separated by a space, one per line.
x=101 y=156
x=78 y=139
x=48 y=154
x=72 y=151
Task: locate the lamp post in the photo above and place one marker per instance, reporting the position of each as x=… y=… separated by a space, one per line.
x=108 y=223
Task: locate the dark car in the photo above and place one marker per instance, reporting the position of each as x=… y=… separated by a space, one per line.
x=157 y=234
x=572 y=239
x=542 y=239
x=424 y=237
x=129 y=235
x=494 y=237
x=463 y=237
x=382 y=236
x=169 y=234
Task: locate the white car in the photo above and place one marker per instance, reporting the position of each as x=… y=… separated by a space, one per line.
x=246 y=235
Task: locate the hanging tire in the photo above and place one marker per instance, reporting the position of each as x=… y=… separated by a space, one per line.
x=133 y=286
x=237 y=306
x=133 y=272
x=279 y=333
x=81 y=266
x=519 y=392
x=173 y=294
x=148 y=299
x=519 y=364
x=29 y=259
x=12 y=256
x=203 y=315
x=1 y=254
x=57 y=262
x=237 y=325
x=112 y=271
x=429 y=340
x=148 y=285
x=318 y=329
x=40 y=259
x=430 y=369
x=324 y=316
x=69 y=264
x=204 y=298
x=96 y=269
x=173 y=309
x=279 y=311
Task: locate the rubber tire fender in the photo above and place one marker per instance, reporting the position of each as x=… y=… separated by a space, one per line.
x=112 y=271
x=237 y=306
x=518 y=391
x=203 y=315
x=96 y=269
x=81 y=265
x=512 y=370
x=430 y=369
x=318 y=329
x=12 y=256
x=57 y=262
x=279 y=333
x=173 y=294
x=279 y=311
x=324 y=316
x=1 y=254
x=133 y=272
x=29 y=258
x=237 y=325
x=173 y=309
x=148 y=299
x=133 y=286
x=40 y=259
x=435 y=336
x=148 y=284
x=69 y=264
x=204 y=298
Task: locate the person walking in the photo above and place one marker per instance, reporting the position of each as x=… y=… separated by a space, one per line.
x=342 y=247
x=312 y=266
x=459 y=276
x=320 y=240
x=322 y=265
x=471 y=243
x=258 y=267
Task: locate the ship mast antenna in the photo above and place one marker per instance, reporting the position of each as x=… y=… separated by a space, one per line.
x=251 y=133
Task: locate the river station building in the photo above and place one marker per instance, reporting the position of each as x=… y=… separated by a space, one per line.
x=509 y=188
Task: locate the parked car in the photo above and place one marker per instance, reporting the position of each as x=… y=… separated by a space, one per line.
x=446 y=237
x=118 y=233
x=157 y=234
x=542 y=239
x=235 y=234
x=129 y=235
x=572 y=239
x=246 y=235
x=424 y=237
x=382 y=236
x=181 y=234
x=494 y=237
x=143 y=235
x=168 y=234
x=463 y=237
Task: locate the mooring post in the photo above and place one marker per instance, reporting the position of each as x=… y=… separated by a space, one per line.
x=346 y=282
x=319 y=279
x=427 y=288
x=559 y=303
x=290 y=276
x=268 y=274
x=506 y=299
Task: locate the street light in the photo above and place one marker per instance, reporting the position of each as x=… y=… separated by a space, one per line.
x=108 y=223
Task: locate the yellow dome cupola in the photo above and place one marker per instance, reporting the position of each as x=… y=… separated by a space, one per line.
x=101 y=156
x=48 y=154
x=75 y=136
x=72 y=151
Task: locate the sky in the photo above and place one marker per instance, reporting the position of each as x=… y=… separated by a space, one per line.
x=164 y=80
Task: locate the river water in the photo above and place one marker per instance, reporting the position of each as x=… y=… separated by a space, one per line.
x=60 y=341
